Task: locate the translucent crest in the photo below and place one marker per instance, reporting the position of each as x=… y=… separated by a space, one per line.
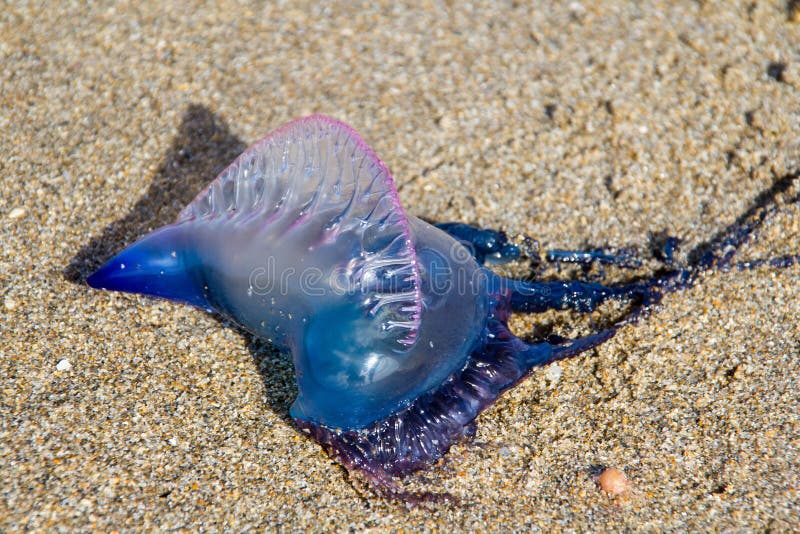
x=319 y=171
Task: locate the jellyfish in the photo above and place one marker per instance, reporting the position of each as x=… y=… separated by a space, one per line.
x=397 y=329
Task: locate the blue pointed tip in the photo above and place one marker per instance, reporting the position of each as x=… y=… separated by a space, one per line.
x=156 y=265
x=103 y=278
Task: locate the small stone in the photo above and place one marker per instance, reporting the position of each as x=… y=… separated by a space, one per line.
x=614 y=482
x=17 y=213
x=447 y=122
x=553 y=373
x=63 y=365
x=10 y=304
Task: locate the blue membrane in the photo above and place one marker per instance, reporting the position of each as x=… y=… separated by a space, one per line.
x=159 y=265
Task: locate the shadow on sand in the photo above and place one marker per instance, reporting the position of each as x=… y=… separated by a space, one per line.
x=202 y=148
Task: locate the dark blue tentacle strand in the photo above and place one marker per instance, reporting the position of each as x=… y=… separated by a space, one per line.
x=601 y=256
x=536 y=297
x=778 y=263
x=486 y=245
x=543 y=353
x=587 y=296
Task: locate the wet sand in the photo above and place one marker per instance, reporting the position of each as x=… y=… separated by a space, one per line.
x=577 y=125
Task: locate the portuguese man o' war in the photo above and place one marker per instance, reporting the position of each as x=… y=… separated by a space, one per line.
x=397 y=331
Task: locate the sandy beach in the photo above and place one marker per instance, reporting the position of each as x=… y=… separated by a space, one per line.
x=577 y=124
